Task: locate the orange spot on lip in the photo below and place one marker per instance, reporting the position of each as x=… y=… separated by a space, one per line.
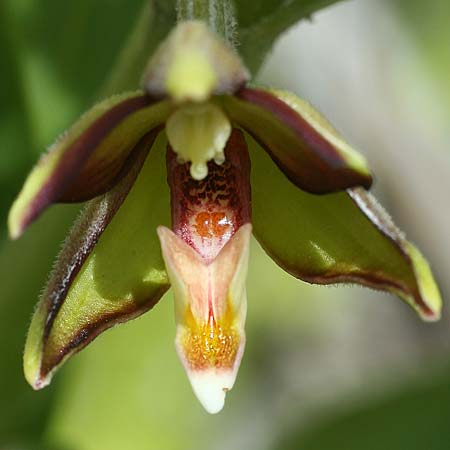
x=212 y=224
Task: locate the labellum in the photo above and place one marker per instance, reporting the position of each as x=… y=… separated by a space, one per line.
x=206 y=257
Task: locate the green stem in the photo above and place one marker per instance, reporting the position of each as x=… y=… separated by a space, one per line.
x=218 y=14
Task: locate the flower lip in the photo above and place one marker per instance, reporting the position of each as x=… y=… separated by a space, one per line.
x=211 y=388
x=211 y=304
x=206 y=258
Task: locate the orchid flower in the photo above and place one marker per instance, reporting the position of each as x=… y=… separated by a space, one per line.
x=176 y=177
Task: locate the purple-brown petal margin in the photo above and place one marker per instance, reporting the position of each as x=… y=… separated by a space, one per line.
x=57 y=330
x=89 y=158
x=299 y=140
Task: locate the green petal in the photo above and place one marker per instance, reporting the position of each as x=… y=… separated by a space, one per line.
x=110 y=269
x=89 y=158
x=337 y=238
x=300 y=141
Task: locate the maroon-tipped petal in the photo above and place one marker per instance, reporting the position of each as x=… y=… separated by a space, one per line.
x=303 y=145
x=89 y=159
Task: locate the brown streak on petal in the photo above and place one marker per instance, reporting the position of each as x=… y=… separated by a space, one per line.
x=98 y=177
x=85 y=336
x=379 y=283
x=323 y=170
x=378 y=217
x=78 y=153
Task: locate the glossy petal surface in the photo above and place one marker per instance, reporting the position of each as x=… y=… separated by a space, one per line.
x=88 y=159
x=300 y=141
x=337 y=238
x=109 y=270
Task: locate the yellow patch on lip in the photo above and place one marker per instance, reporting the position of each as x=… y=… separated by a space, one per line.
x=210 y=344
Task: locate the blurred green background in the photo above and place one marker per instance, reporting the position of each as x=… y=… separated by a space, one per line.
x=324 y=368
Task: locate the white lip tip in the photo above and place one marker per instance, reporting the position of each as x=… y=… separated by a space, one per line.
x=211 y=388
x=213 y=404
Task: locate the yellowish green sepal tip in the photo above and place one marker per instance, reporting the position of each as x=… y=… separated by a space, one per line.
x=353 y=158
x=428 y=288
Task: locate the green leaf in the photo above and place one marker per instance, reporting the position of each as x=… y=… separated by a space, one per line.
x=337 y=238
x=262 y=22
x=154 y=22
x=80 y=39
